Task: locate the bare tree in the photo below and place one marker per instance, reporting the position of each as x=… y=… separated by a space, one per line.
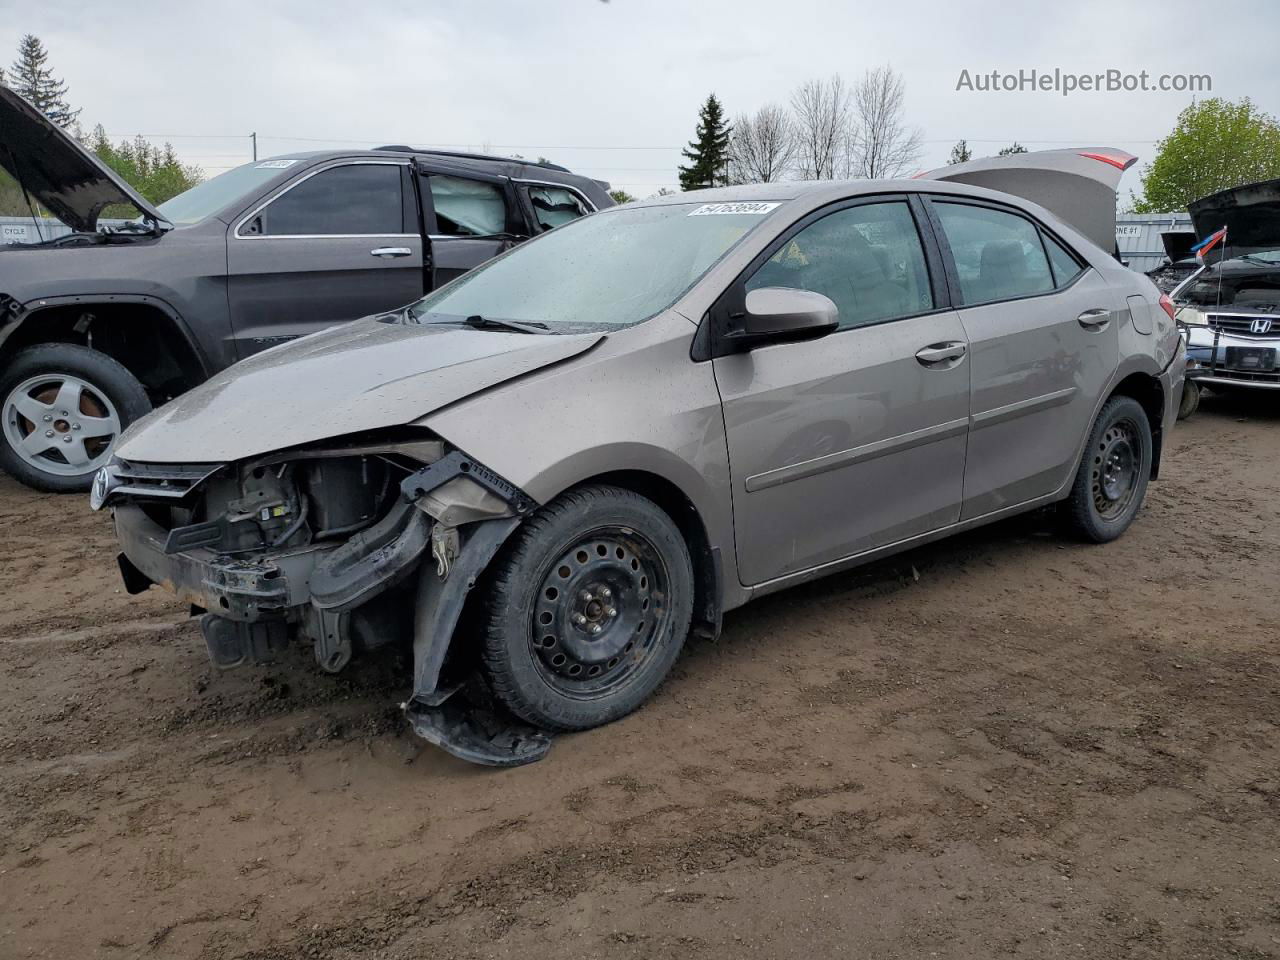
x=882 y=144
x=761 y=146
x=821 y=113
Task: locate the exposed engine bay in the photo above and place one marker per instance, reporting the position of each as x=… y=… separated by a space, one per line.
x=348 y=546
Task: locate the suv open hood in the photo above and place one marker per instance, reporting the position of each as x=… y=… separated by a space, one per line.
x=1178 y=244
x=1250 y=213
x=68 y=180
x=1077 y=185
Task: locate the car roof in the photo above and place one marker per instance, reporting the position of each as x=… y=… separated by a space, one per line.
x=482 y=163
x=816 y=193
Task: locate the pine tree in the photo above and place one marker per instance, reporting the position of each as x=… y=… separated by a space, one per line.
x=1013 y=148
x=34 y=81
x=708 y=155
x=961 y=152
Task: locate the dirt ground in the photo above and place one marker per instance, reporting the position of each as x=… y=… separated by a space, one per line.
x=1003 y=745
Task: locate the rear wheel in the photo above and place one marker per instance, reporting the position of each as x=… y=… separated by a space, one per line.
x=1111 y=481
x=588 y=609
x=62 y=407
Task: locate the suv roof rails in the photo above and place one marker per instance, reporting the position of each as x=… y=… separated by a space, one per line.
x=401 y=148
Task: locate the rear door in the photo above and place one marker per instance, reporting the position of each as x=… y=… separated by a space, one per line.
x=470 y=218
x=1042 y=332
x=856 y=440
x=338 y=243
x=551 y=205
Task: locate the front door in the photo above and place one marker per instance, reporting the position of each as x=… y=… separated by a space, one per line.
x=337 y=244
x=856 y=440
x=1042 y=331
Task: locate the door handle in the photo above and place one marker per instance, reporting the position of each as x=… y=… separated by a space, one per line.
x=388 y=252
x=939 y=355
x=1095 y=319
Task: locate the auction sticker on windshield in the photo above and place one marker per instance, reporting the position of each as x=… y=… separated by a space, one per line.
x=711 y=209
x=275 y=164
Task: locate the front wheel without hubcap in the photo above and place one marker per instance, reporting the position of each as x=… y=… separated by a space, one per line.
x=588 y=609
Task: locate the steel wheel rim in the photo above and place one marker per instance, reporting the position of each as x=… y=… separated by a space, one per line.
x=60 y=424
x=600 y=609
x=1116 y=462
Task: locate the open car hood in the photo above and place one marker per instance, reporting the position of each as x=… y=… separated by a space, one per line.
x=56 y=170
x=1076 y=185
x=358 y=376
x=1250 y=213
x=1178 y=244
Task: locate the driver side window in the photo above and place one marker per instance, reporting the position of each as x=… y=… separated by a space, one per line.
x=868 y=259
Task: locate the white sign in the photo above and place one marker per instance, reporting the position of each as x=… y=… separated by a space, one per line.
x=13 y=233
x=275 y=164
x=1129 y=230
x=756 y=207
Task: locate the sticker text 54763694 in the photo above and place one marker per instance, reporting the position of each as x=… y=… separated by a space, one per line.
x=757 y=207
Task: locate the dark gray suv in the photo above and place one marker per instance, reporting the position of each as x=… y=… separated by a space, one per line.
x=98 y=325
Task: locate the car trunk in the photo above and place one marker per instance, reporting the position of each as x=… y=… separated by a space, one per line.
x=1077 y=185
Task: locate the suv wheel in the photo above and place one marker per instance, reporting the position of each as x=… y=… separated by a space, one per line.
x=588 y=609
x=62 y=407
x=1190 y=399
x=1112 y=479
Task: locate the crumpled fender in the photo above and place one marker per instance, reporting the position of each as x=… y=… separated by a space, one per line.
x=440 y=602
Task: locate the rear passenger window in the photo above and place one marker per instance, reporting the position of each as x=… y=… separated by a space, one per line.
x=468 y=208
x=1065 y=266
x=360 y=199
x=998 y=255
x=553 y=206
x=867 y=259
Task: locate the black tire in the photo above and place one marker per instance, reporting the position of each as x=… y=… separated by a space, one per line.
x=1112 y=478
x=1190 y=399
x=555 y=654
x=107 y=388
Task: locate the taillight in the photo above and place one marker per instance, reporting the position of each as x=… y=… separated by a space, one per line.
x=1167 y=306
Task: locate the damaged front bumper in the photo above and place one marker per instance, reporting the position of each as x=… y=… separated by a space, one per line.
x=446 y=523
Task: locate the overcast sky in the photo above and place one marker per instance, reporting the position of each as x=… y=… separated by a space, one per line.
x=612 y=89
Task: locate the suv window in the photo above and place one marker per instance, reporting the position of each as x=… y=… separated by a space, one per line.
x=867 y=259
x=468 y=208
x=553 y=206
x=998 y=255
x=1065 y=266
x=356 y=199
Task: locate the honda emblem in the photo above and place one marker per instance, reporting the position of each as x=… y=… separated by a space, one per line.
x=1261 y=325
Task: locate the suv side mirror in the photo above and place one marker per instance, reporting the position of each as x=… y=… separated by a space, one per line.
x=783 y=315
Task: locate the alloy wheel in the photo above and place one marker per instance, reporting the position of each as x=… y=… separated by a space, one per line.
x=60 y=424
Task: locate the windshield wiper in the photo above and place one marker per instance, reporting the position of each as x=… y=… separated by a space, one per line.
x=496 y=323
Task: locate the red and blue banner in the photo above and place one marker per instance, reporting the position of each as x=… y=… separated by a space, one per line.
x=1208 y=243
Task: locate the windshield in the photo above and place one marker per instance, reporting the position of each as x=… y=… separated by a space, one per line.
x=606 y=270
x=205 y=199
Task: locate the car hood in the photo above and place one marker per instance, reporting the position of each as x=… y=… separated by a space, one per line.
x=358 y=376
x=1250 y=213
x=68 y=180
x=1178 y=244
x=1077 y=185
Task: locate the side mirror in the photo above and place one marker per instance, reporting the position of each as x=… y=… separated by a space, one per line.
x=783 y=315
